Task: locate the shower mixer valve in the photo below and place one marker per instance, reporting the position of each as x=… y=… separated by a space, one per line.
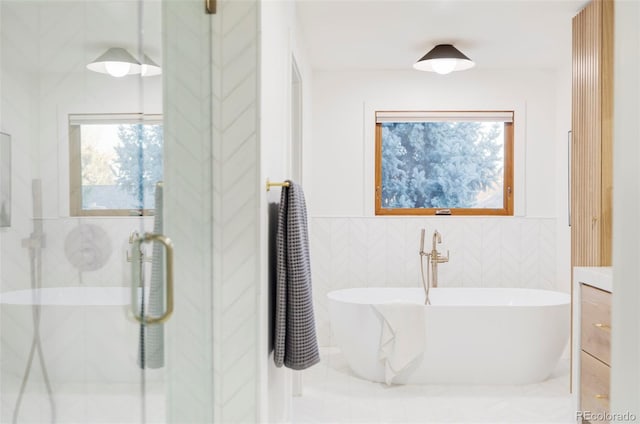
x=143 y=257
x=34 y=241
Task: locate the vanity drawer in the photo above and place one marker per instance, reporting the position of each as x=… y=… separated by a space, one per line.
x=596 y=323
x=594 y=392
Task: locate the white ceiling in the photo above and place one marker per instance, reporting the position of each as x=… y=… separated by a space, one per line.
x=353 y=34
x=393 y=34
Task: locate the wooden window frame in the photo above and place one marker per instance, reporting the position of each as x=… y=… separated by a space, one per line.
x=75 y=166
x=508 y=194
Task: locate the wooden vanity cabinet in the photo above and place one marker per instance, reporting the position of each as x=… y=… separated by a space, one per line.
x=595 y=351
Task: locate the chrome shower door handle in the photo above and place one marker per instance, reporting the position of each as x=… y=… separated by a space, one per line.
x=135 y=271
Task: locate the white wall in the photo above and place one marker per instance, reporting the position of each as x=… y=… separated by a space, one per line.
x=625 y=345
x=352 y=248
x=18 y=92
x=282 y=42
x=383 y=252
x=37 y=100
x=343 y=126
x=44 y=80
x=73 y=92
x=563 y=125
x=195 y=332
x=18 y=88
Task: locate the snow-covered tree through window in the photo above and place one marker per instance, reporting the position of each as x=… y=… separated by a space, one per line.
x=435 y=161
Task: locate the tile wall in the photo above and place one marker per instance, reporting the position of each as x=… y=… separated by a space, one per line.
x=383 y=252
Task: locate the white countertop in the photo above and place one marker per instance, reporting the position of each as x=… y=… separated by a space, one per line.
x=596 y=276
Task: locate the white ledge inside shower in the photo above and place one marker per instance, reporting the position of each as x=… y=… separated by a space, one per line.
x=85 y=332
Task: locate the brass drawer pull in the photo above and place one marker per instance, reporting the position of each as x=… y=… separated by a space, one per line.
x=601 y=326
x=602 y=397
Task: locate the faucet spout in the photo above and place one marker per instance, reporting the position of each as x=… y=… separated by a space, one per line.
x=436 y=258
x=437 y=238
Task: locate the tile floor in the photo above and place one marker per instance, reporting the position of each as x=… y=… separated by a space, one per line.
x=87 y=403
x=332 y=394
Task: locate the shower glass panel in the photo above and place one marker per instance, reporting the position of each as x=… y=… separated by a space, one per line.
x=86 y=159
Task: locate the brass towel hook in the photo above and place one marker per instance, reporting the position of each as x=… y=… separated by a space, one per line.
x=282 y=184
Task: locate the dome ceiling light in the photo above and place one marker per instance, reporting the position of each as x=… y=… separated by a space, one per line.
x=118 y=63
x=444 y=59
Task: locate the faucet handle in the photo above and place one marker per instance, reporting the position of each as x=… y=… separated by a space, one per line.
x=442 y=259
x=143 y=257
x=133 y=237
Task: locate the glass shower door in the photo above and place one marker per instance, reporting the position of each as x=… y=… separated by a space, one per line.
x=81 y=86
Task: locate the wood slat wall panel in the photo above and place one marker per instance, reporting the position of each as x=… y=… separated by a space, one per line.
x=591 y=170
x=607 y=132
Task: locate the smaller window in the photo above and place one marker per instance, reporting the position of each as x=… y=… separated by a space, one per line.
x=115 y=163
x=444 y=162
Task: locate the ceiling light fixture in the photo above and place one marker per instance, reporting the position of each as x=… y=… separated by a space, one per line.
x=444 y=59
x=149 y=68
x=118 y=62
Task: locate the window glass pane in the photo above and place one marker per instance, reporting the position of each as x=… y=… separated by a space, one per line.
x=443 y=164
x=121 y=163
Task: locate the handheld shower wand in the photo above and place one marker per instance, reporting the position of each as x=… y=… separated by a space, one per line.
x=425 y=284
x=34 y=243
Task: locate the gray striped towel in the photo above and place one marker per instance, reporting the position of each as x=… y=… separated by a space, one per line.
x=151 y=349
x=295 y=344
x=154 y=337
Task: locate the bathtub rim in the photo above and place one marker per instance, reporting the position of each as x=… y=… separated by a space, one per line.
x=562 y=297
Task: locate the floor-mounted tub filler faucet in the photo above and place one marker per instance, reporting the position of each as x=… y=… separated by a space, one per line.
x=434 y=258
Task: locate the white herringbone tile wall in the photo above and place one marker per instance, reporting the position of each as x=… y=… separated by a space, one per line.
x=235 y=159
x=188 y=214
x=211 y=174
x=383 y=252
x=212 y=166
x=212 y=169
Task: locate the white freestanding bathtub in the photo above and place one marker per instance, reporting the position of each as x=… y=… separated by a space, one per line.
x=472 y=335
